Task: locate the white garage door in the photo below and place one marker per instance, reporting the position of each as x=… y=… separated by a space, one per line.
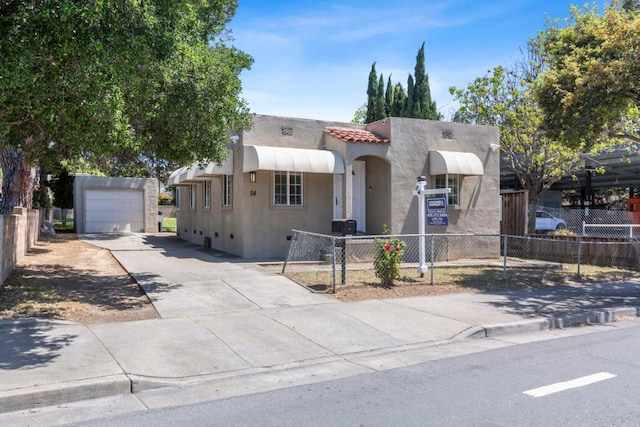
x=114 y=210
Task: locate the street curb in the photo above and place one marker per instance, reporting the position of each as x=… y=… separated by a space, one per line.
x=71 y=391
x=117 y=384
x=519 y=327
x=594 y=317
x=32 y=322
x=591 y=317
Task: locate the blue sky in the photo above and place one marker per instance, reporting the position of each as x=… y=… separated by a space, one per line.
x=312 y=58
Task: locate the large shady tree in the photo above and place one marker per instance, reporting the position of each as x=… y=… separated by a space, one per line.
x=591 y=90
x=504 y=98
x=151 y=82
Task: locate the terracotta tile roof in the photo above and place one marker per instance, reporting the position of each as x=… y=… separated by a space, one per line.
x=355 y=135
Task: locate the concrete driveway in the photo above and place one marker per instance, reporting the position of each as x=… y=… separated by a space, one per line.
x=184 y=279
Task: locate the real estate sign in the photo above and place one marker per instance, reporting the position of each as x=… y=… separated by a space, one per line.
x=437 y=211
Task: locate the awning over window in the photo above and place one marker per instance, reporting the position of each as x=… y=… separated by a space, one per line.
x=455 y=163
x=291 y=159
x=174 y=178
x=195 y=173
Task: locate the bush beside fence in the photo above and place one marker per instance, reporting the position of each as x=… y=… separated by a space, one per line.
x=331 y=257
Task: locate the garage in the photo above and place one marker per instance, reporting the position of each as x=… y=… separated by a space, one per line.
x=114 y=211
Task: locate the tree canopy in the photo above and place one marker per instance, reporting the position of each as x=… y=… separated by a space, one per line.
x=504 y=98
x=591 y=89
x=152 y=83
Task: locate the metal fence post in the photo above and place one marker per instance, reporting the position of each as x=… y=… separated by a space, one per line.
x=343 y=245
x=505 y=245
x=433 y=257
x=284 y=266
x=333 y=263
x=579 y=254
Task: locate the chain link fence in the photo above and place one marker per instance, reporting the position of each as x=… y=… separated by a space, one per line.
x=603 y=223
x=325 y=262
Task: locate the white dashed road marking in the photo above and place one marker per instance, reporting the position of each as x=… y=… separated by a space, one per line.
x=566 y=385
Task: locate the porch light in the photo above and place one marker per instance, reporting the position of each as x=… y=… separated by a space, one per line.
x=252 y=177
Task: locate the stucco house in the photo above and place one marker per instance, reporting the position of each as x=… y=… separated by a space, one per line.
x=289 y=173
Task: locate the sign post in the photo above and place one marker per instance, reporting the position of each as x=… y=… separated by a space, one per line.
x=422 y=192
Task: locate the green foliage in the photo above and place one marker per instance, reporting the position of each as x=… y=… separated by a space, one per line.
x=399 y=100
x=388 y=98
x=422 y=106
x=379 y=112
x=360 y=115
x=388 y=256
x=165 y=199
x=590 y=92
x=372 y=95
x=130 y=86
x=394 y=102
x=41 y=199
x=505 y=98
x=62 y=187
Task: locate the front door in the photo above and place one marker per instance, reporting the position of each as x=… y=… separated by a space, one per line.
x=337 y=197
x=359 y=201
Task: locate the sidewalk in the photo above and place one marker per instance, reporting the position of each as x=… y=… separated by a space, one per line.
x=229 y=327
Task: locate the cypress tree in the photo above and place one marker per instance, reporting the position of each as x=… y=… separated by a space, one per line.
x=399 y=99
x=380 y=113
x=388 y=98
x=408 y=107
x=416 y=102
x=372 y=94
x=423 y=106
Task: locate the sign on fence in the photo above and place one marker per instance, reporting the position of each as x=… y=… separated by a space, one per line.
x=437 y=211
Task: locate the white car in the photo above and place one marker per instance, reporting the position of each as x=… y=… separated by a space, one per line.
x=547 y=222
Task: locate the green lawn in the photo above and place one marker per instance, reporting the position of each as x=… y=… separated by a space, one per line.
x=57 y=224
x=169 y=224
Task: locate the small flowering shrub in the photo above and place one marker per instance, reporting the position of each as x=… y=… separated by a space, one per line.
x=388 y=256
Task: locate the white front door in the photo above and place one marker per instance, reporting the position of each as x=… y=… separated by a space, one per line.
x=359 y=201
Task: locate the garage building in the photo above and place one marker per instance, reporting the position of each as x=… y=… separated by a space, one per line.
x=115 y=205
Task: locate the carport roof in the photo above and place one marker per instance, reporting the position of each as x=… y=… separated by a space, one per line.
x=621 y=170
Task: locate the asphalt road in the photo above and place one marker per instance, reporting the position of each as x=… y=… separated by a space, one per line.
x=586 y=380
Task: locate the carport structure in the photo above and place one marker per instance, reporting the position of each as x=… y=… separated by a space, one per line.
x=621 y=170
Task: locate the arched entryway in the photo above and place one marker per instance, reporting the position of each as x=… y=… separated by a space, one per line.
x=371 y=193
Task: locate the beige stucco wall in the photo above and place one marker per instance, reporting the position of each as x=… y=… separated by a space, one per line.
x=259 y=229
x=411 y=141
x=253 y=228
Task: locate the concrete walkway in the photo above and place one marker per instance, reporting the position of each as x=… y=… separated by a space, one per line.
x=230 y=327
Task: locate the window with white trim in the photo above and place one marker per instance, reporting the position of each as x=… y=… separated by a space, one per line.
x=193 y=195
x=287 y=188
x=227 y=190
x=206 y=200
x=450 y=181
